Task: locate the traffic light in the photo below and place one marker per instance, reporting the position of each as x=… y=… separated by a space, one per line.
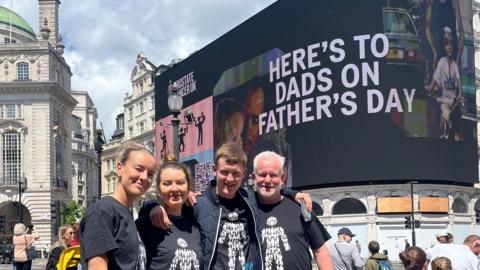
x=408 y=222
x=417 y=223
x=53 y=210
x=2 y=224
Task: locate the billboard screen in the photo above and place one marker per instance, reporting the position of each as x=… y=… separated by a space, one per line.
x=346 y=90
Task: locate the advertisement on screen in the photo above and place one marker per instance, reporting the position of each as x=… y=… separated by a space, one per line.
x=348 y=91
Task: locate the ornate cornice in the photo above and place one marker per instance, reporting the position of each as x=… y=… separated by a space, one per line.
x=51 y=88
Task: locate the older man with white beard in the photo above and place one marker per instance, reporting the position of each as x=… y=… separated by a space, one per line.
x=286 y=236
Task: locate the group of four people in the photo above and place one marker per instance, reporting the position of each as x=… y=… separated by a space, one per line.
x=228 y=227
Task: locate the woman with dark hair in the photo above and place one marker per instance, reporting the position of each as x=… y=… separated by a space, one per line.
x=229 y=122
x=180 y=245
x=108 y=236
x=414 y=258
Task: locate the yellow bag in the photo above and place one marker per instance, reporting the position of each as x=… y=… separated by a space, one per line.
x=70 y=257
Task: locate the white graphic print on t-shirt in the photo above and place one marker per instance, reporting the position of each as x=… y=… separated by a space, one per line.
x=235 y=232
x=184 y=258
x=272 y=235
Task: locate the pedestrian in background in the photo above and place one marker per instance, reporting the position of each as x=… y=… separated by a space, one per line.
x=407 y=244
x=21 y=242
x=75 y=241
x=344 y=254
x=65 y=236
x=377 y=259
x=359 y=247
x=441 y=263
x=414 y=258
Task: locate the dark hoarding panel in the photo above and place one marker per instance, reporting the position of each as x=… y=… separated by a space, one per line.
x=348 y=91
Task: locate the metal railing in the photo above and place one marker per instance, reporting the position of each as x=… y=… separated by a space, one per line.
x=11 y=182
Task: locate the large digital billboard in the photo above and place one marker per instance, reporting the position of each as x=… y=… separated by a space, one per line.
x=347 y=90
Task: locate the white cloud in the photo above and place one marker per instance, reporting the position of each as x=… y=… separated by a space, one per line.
x=102 y=38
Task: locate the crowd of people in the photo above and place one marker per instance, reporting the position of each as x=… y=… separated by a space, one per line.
x=226 y=227
x=443 y=255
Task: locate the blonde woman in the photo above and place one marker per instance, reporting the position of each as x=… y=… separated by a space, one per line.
x=21 y=242
x=442 y=263
x=65 y=236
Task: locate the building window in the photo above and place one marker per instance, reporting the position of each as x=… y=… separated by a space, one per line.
x=349 y=206
x=11 y=156
x=153 y=122
x=10 y=111
x=130 y=113
x=141 y=107
x=7 y=40
x=59 y=169
x=22 y=71
x=130 y=131
x=80 y=177
x=57 y=117
x=80 y=190
x=108 y=185
x=459 y=206
x=142 y=126
x=152 y=102
x=112 y=164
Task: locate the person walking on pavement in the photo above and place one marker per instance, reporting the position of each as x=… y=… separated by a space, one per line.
x=407 y=244
x=344 y=254
x=377 y=261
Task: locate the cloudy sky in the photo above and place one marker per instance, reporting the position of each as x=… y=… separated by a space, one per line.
x=103 y=38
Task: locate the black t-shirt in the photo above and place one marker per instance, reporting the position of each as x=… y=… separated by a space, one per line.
x=178 y=248
x=108 y=228
x=286 y=237
x=235 y=231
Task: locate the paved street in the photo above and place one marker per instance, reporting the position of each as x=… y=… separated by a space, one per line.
x=37 y=265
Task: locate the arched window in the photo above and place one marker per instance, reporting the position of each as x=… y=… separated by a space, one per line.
x=317 y=209
x=349 y=206
x=22 y=71
x=11 y=157
x=459 y=206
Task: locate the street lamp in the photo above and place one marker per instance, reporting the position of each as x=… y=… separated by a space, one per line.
x=175 y=103
x=99 y=142
x=21 y=180
x=414 y=242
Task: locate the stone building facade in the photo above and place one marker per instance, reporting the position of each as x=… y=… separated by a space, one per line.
x=136 y=122
x=84 y=164
x=36 y=106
